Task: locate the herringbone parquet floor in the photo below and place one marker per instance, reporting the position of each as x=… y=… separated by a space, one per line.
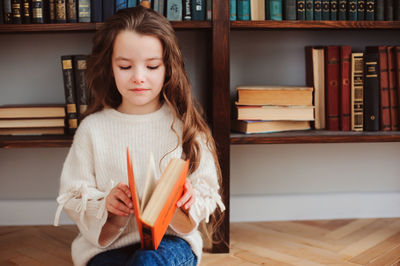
x=309 y=243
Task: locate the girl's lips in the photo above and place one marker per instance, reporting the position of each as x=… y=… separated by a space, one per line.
x=139 y=90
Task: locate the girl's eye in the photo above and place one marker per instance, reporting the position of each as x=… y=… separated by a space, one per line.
x=152 y=67
x=124 y=68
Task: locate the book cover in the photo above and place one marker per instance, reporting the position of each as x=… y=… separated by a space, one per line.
x=325 y=9
x=7 y=11
x=309 y=9
x=96 y=10
x=371 y=89
x=257 y=9
x=333 y=10
x=61 y=11
x=384 y=109
x=317 y=10
x=70 y=97
x=301 y=9
x=71 y=11
x=81 y=90
x=357 y=91
x=352 y=10
x=332 y=87
x=393 y=91
x=380 y=10
x=275 y=9
x=250 y=127
x=32 y=123
x=32 y=131
x=132 y=3
x=199 y=10
x=52 y=11
x=360 y=9
x=290 y=9
x=187 y=9
x=155 y=211
x=315 y=77
x=232 y=10
x=272 y=112
x=369 y=10
x=345 y=69
x=1 y=12
x=396 y=10
x=243 y=9
x=388 y=10
x=174 y=10
x=342 y=10
x=84 y=13
x=108 y=9
x=274 y=95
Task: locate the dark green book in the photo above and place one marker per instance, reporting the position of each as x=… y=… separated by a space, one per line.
x=317 y=10
x=199 y=9
x=243 y=9
x=371 y=89
x=334 y=9
x=380 y=10
x=290 y=9
x=309 y=9
x=369 y=10
x=96 y=10
x=342 y=10
x=232 y=10
x=275 y=9
x=396 y=11
x=7 y=11
x=301 y=9
x=389 y=10
x=360 y=9
x=352 y=10
x=325 y=9
x=84 y=14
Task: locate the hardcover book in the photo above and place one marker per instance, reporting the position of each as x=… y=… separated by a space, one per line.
x=333 y=10
x=257 y=9
x=309 y=9
x=71 y=11
x=371 y=89
x=32 y=131
x=345 y=68
x=352 y=10
x=380 y=10
x=274 y=95
x=158 y=204
x=393 y=91
x=26 y=12
x=61 y=11
x=32 y=111
x=232 y=10
x=132 y=3
x=332 y=87
x=108 y=9
x=325 y=9
x=199 y=10
x=301 y=9
x=342 y=10
x=357 y=91
x=16 y=11
x=84 y=14
x=120 y=4
x=243 y=9
x=52 y=11
x=81 y=90
x=249 y=127
x=97 y=10
x=317 y=10
x=275 y=9
x=7 y=11
x=360 y=9
x=384 y=109
x=369 y=10
x=272 y=112
x=174 y=10
x=70 y=97
x=32 y=123
x=290 y=9
x=187 y=9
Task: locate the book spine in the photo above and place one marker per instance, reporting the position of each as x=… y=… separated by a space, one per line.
x=26 y=12
x=71 y=11
x=7 y=12
x=120 y=4
x=325 y=9
x=174 y=10
x=301 y=9
x=209 y=10
x=388 y=10
x=332 y=88
x=309 y=9
x=290 y=9
x=370 y=10
x=334 y=10
x=108 y=9
x=360 y=9
x=187 y=9
x=1 y=12
x=371 y=90
x=396 y=10
x=342 y=13
x=198 y=9
x=96 y=10
x=145 y=3
x=147 y=241
x=16 y=12
x=317 y=10
x=243 y=9
x=84 y=11
x=61 y=11
x=132 y=3
x=52 y=11
x=396 y=55
x=380 y=10
x=392 y=88
x=37 y=11
x=345 y=94
x=232 y=10
x=357 y=91
x=70 y=100
x=275 y=9
x=384 y=110
x=352 y=10
x=79 y=66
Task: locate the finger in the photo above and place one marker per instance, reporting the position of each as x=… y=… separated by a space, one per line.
x=123 y=197
x=186 y=196
x=125 y=188
x=189 y=203
x=117 y=204
x=115 y=211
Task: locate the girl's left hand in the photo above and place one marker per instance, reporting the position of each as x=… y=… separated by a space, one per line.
x=188 y=196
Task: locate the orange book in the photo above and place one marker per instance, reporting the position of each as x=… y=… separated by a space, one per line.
x=158 y=204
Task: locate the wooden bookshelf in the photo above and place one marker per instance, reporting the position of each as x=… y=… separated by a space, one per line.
x=35 y=141
x=315 y=136
x=66 y=27
x=297 y=24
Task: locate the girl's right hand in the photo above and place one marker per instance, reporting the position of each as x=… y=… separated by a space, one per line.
x=118 y=201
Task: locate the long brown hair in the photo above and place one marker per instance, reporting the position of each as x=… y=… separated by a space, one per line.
x=176 y=92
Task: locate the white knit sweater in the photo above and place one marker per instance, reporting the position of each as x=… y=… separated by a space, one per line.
x=96 y=163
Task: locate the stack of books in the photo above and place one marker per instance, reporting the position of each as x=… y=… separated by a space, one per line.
x=32 y=119
x=262 y=109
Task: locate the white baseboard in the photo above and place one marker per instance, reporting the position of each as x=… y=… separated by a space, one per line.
x=242 y=208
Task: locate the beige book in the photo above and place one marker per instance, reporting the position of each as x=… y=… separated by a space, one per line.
x=269 y=126
x=357 y=91
x=32 y=111
x=257 y=9
x=318 y=58
x=296 y=113
x=29 y=123
x=32 y=131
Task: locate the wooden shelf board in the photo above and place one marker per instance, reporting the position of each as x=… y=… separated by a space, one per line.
x=62 y=27
x=35 y=141
x=315 y=136
x=298 y=24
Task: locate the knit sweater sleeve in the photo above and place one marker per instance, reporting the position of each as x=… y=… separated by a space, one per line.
x=81 y=199
x=206 y=190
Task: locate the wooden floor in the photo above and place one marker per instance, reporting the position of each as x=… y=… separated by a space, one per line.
x=323 y=242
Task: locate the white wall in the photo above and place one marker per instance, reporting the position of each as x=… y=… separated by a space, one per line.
x=287 y=181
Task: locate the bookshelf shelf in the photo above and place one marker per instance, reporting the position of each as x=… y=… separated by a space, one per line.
x=67 y=27
x=315 y=136
x=35 y=141
x=296 y=24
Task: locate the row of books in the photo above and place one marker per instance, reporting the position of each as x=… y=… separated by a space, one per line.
x=388 y=10
x=355 y=90
x=70 y=11
x=262 y=109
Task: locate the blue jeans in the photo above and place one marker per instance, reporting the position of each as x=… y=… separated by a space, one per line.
x=171 y=251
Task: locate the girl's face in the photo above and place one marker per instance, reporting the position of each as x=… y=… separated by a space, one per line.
x=139 y=71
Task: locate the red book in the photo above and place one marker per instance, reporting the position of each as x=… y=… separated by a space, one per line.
x=397 y=73
x=384 y=108
x=332 y=87
x=345 y=107
x=392 y=88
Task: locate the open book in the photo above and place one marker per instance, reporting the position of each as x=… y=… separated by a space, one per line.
x=157 y=207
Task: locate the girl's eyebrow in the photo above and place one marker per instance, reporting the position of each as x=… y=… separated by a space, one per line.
x=119 y=58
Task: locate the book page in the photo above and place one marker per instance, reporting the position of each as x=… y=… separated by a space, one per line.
x=150 y=182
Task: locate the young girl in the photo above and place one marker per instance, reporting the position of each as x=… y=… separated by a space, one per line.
x=141 y=98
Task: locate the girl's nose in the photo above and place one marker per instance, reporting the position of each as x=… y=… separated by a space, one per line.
x=138 y=77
